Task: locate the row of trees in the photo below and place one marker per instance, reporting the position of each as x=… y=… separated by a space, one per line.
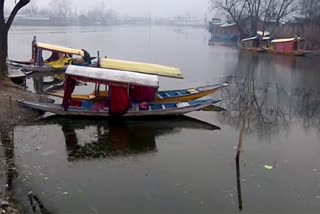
x=251 y=15
x=247 y=14
x=65 y=9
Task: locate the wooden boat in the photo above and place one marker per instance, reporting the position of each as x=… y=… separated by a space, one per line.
x=123 y=87
x=288 y=46
x=252 y=44
x=60 y=58
x=161 y=109
x=181 y=95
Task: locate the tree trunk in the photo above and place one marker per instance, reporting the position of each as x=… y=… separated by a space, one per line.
x=3 y=52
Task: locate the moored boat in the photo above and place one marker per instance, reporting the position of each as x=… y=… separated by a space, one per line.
x=60 y=58
x=288 y=46
x=180 y=95
x=130 y=95
x=252 y=44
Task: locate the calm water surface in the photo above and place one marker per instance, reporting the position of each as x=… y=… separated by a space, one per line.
x=181 y=165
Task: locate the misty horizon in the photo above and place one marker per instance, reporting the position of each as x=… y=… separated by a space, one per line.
x=146 y=8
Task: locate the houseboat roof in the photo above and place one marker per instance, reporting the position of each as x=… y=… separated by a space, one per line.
x=266 y=38
x=266 y=33
x=111 y=75
x=60 y=49
x=228 y=25
x=286 y=39
x=249 y=39
x=140 y=67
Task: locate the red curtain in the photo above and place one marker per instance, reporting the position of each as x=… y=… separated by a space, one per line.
x=69 y=85
x=142 y=93
x=119 y=100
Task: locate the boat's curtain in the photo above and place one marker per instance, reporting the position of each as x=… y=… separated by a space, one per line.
x=142 y=93
x=69 y=85
x=119 y=100
x=284 y=47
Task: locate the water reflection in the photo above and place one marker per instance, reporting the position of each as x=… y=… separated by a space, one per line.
x=7 y=142
x=119 y=137
x=273 y=101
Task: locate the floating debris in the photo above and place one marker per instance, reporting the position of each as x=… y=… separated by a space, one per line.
x=65 y=193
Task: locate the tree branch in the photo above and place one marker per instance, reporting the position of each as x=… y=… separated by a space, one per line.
x=1 y=12
x=14 y=12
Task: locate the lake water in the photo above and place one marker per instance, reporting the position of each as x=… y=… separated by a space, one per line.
x=181 y=165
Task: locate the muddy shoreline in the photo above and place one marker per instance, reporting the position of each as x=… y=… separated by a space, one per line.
x=11 y=114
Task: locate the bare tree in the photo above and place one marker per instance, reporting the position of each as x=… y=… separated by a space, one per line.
x=248 y=14
x=310 y=9
x=31 y=9
x=4 y=29
x=234 y=9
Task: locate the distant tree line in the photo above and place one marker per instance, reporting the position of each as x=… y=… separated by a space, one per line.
x=251 y=15
x=64 y=9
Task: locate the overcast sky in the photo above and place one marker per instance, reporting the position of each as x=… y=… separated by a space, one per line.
x=156 y=8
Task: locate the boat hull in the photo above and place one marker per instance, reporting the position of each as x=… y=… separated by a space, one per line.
x=29 y=67
x=199 y=93
x=255 y=50
x=57 y=109
x=292 y=53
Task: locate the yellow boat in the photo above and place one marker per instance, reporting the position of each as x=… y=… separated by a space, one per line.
x=140 y=67
x=181 y=95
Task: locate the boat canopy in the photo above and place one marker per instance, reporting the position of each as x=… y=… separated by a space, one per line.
x=61 y=49
x=286 y=39
x=119 y=82
x=101 y=75
x=140 y=67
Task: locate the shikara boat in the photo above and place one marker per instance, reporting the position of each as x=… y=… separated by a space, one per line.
x=180 y=95
x=288 y=46
x=252 y=44
x=60 y=58
x=130 y=95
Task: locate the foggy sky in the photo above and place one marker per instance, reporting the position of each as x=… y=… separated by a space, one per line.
x=156 y=8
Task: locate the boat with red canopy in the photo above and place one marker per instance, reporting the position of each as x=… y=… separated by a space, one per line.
x=130 y=95
x=288 y=46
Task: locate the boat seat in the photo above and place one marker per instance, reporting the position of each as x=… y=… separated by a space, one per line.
x=163 y=107
x=192 y=91
x=178 y=93
x=149 y=107
x=184 y=104
x=168 y=95
x=161 y=97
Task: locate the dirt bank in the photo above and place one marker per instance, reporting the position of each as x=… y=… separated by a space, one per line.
x=11 y=112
